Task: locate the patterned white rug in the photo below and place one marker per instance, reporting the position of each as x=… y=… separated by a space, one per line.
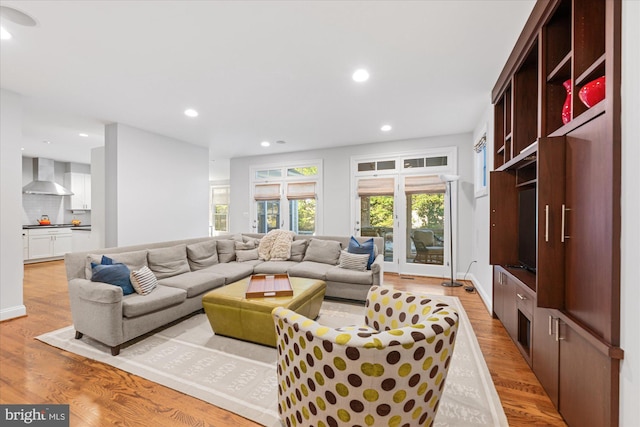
x=241 y=377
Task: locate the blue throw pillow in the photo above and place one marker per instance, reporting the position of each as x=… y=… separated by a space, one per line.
x=106 y=260
x=115 y=274
x=367 y=247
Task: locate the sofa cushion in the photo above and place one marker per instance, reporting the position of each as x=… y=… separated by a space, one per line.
x=273 y=267
x=350 y=261
x=167 y=262
x=194 y=282
x=337 y=274
x=143 y=280
x=324 y=251
x=232 y=271
x=135 y=305
x=246 y=255
x=202 y=254
x=366 y=247
x=133 y=260
x=311 y=270
x=298 y=248
x=226 y=250
x=115 y=274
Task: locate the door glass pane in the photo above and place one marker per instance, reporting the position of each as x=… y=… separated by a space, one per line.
x=425 y=235
x=302 y=216
x=368 y=166
x=386 y=165
x=268 y=215
x=303 y=171
x=436 y=161
x=376 y=219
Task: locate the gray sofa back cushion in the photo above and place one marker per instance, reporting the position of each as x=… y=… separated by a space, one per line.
x=226 y=250
x=202 y=255
x=298 y=249
x=135 y=260
x=324 y=251
x=168 y=262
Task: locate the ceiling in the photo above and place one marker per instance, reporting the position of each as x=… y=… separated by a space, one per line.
x=254 y=70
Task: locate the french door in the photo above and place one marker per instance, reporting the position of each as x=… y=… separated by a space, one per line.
x=408 y=207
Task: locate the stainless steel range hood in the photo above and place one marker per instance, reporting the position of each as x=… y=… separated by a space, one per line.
x=43 y=180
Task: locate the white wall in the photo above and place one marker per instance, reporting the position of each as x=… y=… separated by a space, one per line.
x=156 y=189
x=336 y=211
x=481 y=272
x=97 y=197
x=11 y=268
x=630 y=245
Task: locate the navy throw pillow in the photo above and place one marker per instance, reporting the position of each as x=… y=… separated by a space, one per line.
x=115 y=274
x=106 y=260
x=367 y=247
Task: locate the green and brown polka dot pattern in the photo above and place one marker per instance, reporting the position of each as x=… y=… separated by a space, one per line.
x=389 y=372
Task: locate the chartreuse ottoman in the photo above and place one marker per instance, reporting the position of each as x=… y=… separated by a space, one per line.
x=232 y=315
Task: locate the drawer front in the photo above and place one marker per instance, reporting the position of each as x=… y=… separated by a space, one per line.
x=49 y=231
x=525 y=301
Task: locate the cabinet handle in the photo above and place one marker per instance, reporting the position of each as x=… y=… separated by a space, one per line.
x=558 y=337
x=550 y=325
x=546 y=223
x=562 y=235
x=522 y=297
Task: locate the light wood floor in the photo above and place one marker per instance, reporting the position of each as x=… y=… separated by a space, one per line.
x=32 y=372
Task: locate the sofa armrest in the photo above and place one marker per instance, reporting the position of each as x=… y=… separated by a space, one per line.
x=95 y=291
x=377 y=269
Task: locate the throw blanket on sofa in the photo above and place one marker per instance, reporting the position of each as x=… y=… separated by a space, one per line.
x=276 y=245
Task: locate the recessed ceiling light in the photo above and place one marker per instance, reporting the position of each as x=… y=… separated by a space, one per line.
x=385 y=128
x=4 y=34
x=265 y=143
x=22 y=148
x=281 y=142
x=46 y=141
x=360 y=75
x=84 y=135
x=190 y=112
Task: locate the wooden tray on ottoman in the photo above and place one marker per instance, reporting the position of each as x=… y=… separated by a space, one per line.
x=269 y=285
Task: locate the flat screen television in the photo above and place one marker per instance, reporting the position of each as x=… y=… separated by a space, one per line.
x=527 y=229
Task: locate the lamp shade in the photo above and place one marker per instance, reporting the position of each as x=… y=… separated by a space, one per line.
x=448 y=178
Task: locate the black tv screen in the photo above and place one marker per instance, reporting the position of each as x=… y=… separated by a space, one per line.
x=527 y=229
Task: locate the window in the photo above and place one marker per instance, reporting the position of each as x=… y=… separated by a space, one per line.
x=287 y=197
x=219 y=209
x=480 y=181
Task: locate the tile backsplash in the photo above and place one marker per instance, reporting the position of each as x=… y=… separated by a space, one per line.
x=36 y=205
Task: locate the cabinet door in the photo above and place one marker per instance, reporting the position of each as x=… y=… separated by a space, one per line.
x=87 y=191
x=505 y=302
x=545 y=354
x=40 y=246
x=550 y=276
x=588 y=382
x=62 y=244
x=503 y=203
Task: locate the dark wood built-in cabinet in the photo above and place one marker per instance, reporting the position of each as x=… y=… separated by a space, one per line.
x=565 y=316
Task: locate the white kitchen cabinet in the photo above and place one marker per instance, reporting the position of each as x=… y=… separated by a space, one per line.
x=80 y=184
x=25 y=245
x=49 y=242
x=81 y=241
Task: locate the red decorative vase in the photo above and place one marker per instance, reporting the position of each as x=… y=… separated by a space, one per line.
x=592 y=92
x=566 y=108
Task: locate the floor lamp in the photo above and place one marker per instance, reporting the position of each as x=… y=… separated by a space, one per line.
x=449 y=179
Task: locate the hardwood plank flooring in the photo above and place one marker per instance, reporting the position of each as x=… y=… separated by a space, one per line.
x=99 y=395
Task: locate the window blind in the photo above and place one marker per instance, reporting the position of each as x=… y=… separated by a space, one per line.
x=423 y=184
x=301 y=190
x=376 y=187
x=267 y=192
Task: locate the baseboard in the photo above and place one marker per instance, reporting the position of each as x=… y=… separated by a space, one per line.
x=13 y=312
x=481 y=291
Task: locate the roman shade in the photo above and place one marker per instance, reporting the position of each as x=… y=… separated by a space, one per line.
x=267 y=192
x=419 y=184
x=376 y=187
x=301 y=190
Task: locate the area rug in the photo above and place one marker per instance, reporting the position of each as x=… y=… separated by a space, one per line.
x=241 y=377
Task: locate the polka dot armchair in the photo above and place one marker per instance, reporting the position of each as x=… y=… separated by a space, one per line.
x=389 y=372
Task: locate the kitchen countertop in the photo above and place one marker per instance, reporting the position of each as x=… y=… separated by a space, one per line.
x=71 y=226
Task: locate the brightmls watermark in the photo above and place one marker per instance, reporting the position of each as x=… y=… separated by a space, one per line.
x=34 y=415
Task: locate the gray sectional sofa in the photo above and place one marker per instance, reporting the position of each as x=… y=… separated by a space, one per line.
x=188 y=269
